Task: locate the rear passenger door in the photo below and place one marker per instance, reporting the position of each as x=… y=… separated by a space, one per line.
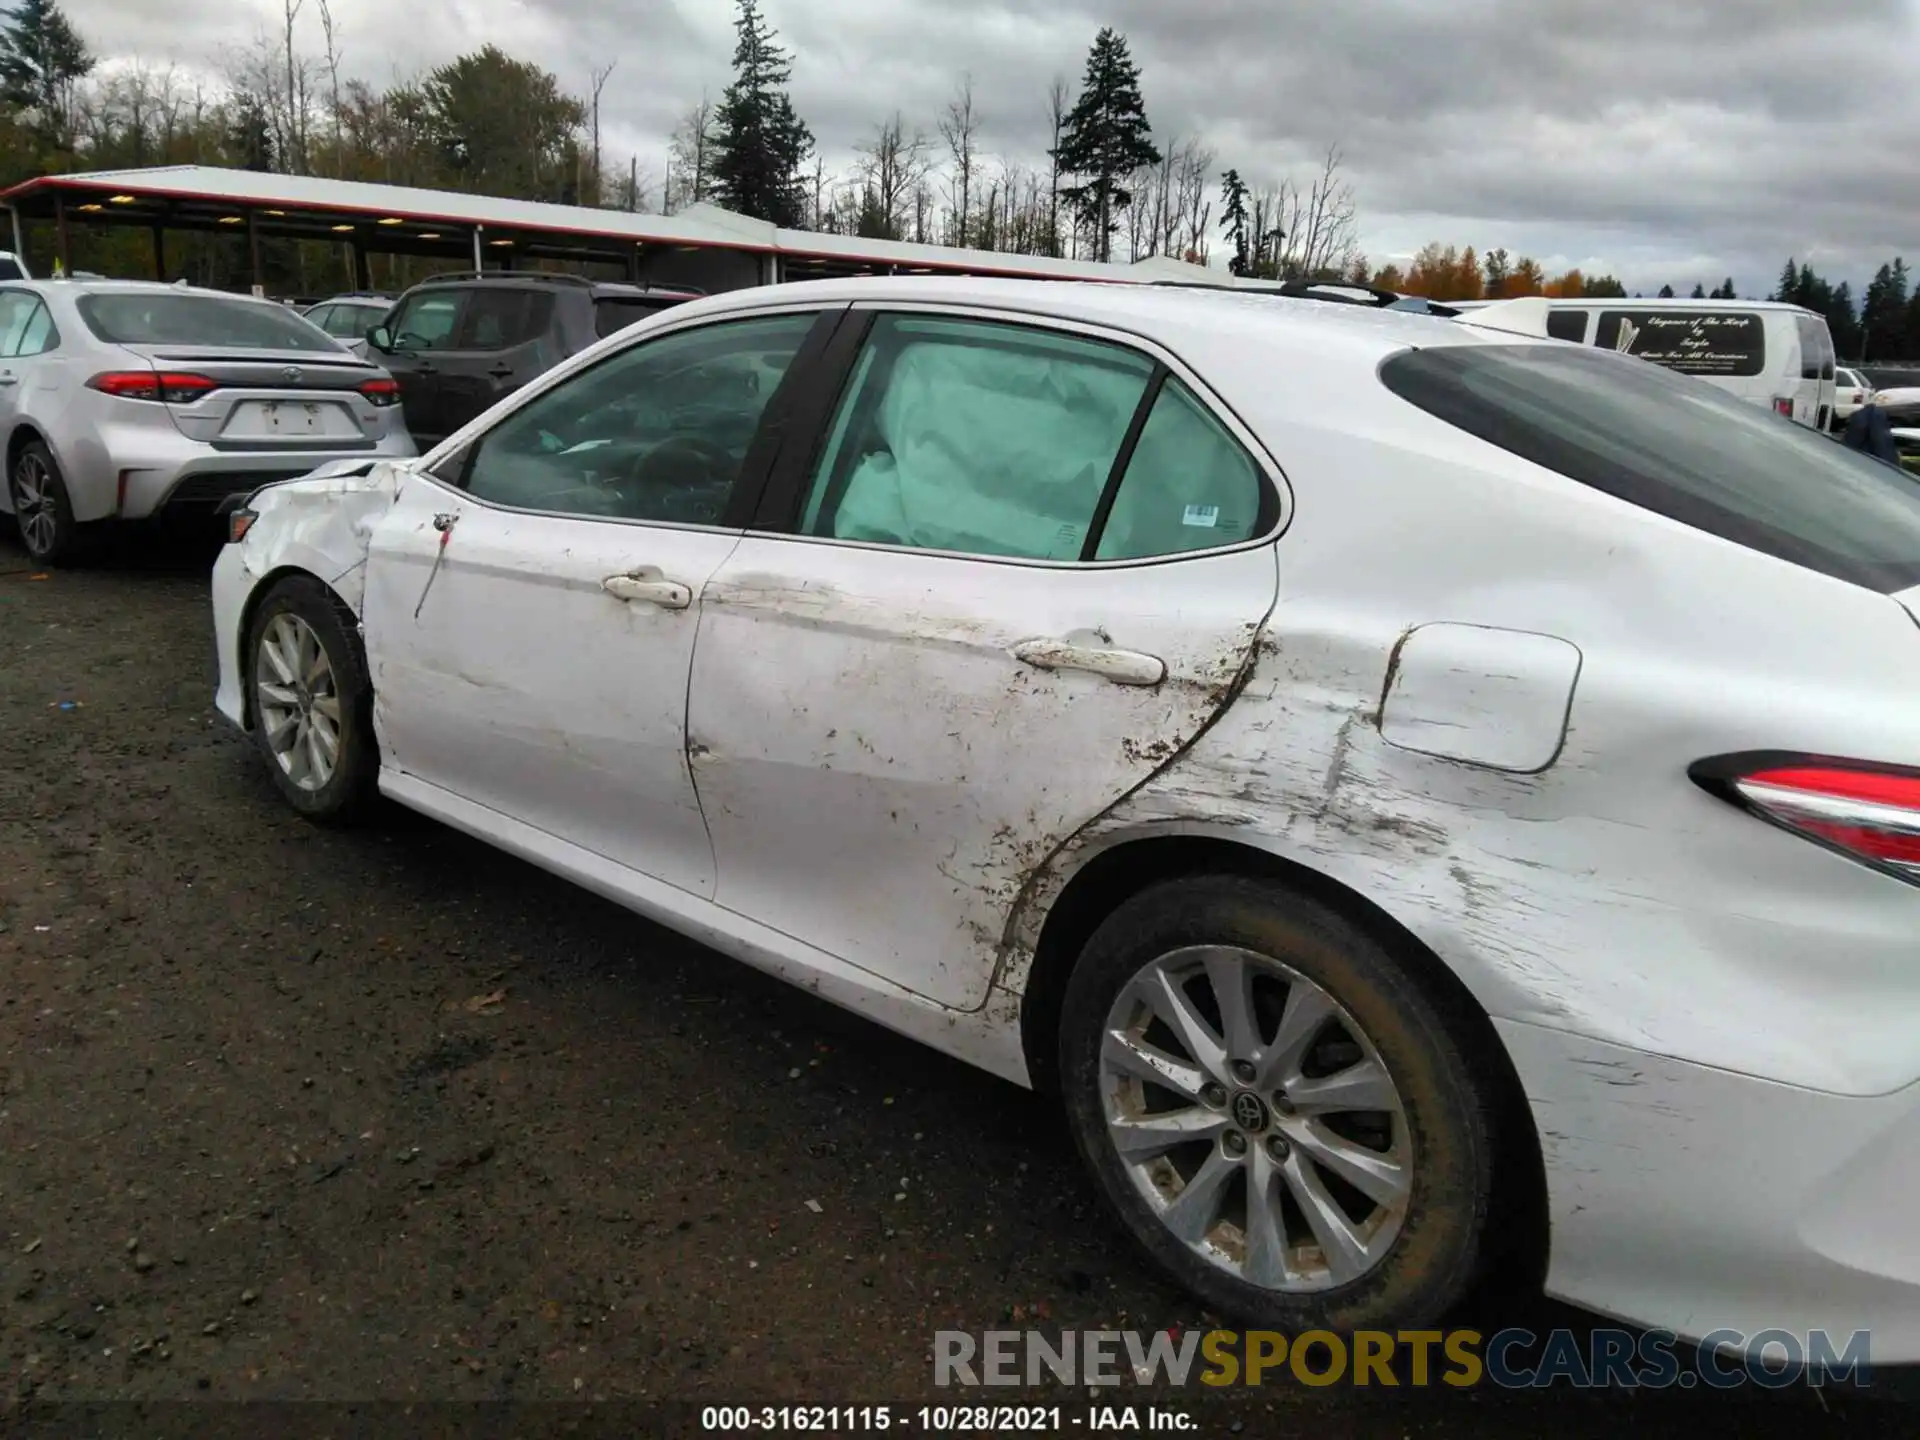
x=1018 y=572
x=504 y=340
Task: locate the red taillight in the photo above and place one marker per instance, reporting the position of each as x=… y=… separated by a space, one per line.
x=381 y=391
x=1867 y=812
x=1783 y=407
x=165 y=386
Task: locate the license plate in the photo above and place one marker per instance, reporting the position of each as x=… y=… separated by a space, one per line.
x=291 y=420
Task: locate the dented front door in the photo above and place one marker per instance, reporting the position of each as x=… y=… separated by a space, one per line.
x=885 y=743
x=536 y=665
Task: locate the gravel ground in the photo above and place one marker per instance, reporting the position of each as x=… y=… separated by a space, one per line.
x=290 y=1114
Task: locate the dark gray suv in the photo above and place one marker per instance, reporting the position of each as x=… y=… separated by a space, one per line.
x=458 y=343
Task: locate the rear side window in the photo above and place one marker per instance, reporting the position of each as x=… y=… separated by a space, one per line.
x=1694 y=342
x=161 y=317
x=611 y=314
x=1684 y=450
x=1568 y=325
x=501 y=319
x=975 y=437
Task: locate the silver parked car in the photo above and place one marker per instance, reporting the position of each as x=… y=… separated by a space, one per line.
x=128 y=400
x=348 y=318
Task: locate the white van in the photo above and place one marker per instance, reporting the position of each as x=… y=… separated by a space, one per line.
x=1764 y=351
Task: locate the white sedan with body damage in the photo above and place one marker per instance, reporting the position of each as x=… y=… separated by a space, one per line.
x=1422 y=796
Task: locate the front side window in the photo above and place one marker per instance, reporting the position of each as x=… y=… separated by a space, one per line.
x=1816 y=348
x=427 y=321
x=1682 y=449
x=657 y=432
x=168 y=317
x=976 y=437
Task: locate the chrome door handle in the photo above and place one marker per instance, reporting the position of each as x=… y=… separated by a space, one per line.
x=9 y=378
x=1095 y=655
x=648 y=585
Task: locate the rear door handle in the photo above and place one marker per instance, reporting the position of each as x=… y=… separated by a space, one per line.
x=9 y=378
x=1095 y=655
x=501 y=372
x=648 y=586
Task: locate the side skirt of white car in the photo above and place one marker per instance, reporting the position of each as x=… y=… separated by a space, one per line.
x=988 y=1037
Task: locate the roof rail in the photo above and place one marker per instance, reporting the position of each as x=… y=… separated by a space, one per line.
x=1337 y=292
x=561 y=277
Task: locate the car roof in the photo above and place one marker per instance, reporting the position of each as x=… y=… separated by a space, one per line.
x=1153 y=311
x=1629 y=302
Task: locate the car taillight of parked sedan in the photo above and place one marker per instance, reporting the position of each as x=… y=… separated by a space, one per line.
x=1869 y=813
x=164 y=386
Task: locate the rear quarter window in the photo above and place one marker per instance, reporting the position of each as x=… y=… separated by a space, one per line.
x=1680 y=448
x=1568 y=325
x=1694 y=342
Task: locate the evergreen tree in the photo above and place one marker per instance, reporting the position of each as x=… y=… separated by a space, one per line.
x=1233 y=191
x=1843 y=322
x=1666 y=292
x=42 y=59
x=759 y=143
x=250 y=133
x=1883 y=314
x=1700 y=292
x=1604 y=287
x=1789 y=279
x=1106 y=138
x=1726 y=291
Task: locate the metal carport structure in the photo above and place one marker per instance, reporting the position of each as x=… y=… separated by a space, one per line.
x=703 y=246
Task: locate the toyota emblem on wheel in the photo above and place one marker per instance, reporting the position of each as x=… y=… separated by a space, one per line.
x=1248 y=1112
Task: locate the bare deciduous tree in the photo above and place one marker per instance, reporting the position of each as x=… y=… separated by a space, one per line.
x=690 y=158
x=596 y=195
x=891 y=170
x=1059 y=103
x=959 y=127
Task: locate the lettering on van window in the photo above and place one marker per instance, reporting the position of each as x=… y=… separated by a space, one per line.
x=1693 y=342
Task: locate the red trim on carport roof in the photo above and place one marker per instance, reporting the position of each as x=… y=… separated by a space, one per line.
x=66 y=182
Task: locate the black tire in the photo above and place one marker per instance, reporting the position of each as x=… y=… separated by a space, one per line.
x=352 y=788
x=1447 y=1106
x=47 y=527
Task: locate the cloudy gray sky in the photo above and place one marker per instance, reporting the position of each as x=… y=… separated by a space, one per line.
x=1660 y=140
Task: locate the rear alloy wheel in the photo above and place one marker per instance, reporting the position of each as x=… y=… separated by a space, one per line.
x=41 y=507
x=1276 y=1109
x=311 y=702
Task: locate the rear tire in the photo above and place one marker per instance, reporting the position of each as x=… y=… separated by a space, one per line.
x=311 y=701
x=1339 y=1169
x=41 y=506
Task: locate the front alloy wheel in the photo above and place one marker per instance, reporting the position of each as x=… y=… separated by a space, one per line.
x=298 y=701
x=312 y=708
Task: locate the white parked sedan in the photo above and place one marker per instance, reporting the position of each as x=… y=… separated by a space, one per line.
x=1395 y=781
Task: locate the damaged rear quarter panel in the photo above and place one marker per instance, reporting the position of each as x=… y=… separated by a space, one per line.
x=1606 y=896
